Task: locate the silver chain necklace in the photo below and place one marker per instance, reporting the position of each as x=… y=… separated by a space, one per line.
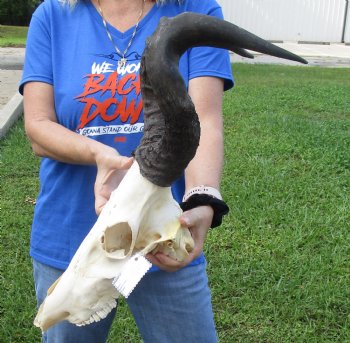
x=123 y=60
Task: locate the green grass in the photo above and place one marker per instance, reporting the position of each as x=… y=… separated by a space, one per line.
x=13 y=36
x=279 y=265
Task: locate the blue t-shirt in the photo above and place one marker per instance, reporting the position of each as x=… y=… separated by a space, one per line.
x=69 y=49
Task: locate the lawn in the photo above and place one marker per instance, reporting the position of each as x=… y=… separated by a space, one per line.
x=13 y=36
x=279 y=266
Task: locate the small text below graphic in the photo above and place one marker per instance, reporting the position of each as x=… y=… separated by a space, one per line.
x=111 y=130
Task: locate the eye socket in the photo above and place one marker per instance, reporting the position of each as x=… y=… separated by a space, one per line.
x=117 y=239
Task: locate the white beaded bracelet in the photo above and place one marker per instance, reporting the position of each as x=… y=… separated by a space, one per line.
x=203 y=190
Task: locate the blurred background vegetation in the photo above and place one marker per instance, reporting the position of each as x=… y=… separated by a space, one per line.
x=17 y=12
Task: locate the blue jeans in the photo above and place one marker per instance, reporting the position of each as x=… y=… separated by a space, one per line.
x=167 y=307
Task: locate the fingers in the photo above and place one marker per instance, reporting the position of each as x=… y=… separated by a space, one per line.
x=113 y=163
x=166 y=263
x=119 y=162
x=125 y=162
x=111 y=170
x=198 y=221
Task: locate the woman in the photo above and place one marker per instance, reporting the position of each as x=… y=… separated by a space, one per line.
x=83 y=115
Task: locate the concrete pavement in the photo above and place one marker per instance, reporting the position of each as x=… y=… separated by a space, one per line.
x=11 y=104
x=11 y=62
x=11 y=58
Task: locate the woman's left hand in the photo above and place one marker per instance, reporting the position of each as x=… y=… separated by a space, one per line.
x=111 y=168
x=198 y=220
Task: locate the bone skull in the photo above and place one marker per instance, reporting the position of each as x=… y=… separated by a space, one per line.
x=84 y=293
x=141 y=215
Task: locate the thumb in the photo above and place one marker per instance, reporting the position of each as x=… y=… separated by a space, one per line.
x=185 y=220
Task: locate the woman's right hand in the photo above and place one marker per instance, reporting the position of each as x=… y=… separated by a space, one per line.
x=111 y=168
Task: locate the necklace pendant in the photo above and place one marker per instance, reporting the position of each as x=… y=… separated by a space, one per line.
x=122 y=63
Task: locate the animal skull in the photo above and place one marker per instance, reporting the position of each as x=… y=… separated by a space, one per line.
x=140 y=217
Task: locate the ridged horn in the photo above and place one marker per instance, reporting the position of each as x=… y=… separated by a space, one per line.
x=172 y=130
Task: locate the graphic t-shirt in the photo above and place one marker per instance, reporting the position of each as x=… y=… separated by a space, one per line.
x=69 y=49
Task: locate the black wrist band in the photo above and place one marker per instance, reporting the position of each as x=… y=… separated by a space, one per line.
x=219 y=206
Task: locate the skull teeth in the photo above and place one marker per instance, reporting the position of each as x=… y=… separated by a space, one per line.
x=98 y=315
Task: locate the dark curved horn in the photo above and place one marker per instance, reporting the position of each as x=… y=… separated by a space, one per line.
x=172 y=131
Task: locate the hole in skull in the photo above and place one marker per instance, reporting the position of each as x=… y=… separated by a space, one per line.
x=144 y=239
x=169 y=243
x=189 y=247
x=117 y=238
